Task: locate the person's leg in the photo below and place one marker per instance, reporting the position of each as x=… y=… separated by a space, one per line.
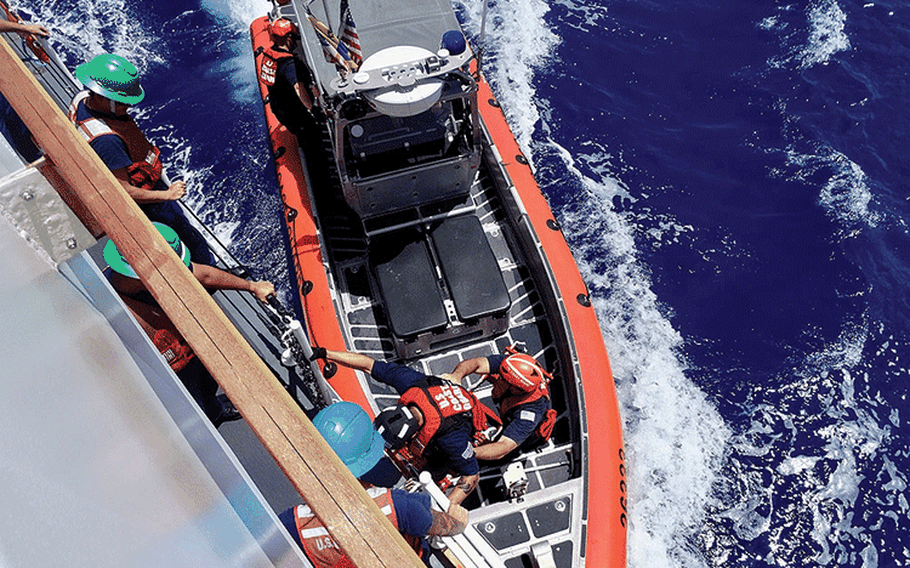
x=203 y=388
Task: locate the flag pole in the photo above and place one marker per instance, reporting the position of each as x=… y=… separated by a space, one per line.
x=328 y=18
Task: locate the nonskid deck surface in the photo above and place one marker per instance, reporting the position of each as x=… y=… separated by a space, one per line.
x=368 y=331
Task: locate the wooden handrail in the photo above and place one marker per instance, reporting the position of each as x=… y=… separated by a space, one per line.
x=323 y=481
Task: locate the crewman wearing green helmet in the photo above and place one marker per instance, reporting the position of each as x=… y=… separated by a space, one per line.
x=100 y=114
x=195 y=377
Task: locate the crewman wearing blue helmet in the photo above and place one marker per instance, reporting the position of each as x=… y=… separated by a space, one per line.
x=349 y=432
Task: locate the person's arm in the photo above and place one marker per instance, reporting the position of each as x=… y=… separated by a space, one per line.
x=450 y=523
x=416 y=516
x=113 y=152
x=303 y=96
x=478 y=365
x=217 y=279
x=466 y=484
x=495 y=450
x=353 y=360
x=37 y=29
x=175 y=191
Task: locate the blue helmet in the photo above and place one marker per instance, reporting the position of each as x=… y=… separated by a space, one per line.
x=349 y=431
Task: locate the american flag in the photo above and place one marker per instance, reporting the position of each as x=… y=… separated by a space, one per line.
x=333 y=50
x=348 y=34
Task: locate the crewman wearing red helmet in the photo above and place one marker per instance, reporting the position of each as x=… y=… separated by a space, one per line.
x=289 y=82
x=521 y=393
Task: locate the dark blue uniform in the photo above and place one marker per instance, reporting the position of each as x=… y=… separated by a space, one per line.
x=113 y=152
x=452 y=450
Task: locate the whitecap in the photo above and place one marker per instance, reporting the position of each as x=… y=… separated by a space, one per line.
x=675 y=438
x=87 y=28
x=517 y=43
x=827 y=36
x=846 y=195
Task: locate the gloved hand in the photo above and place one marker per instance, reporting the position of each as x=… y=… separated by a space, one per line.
x=318 y=353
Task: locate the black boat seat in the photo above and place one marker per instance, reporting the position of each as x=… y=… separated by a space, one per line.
x=407 y=282
x=469 y=268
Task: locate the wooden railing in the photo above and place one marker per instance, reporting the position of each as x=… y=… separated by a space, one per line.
x=323 y=481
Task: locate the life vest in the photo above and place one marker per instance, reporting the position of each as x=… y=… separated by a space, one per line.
x=268 y=66
x=145 y=171
x=321 y=548
x=172 y=346
x=445 y=406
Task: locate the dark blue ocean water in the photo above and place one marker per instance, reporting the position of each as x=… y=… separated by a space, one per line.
x=732 y=179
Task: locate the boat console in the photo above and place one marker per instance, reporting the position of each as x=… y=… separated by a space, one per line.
x=403 y=135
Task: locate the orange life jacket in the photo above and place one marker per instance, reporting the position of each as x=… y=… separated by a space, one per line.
x=268 y=65
x=444 y=406
x=172 y=346
x=146 y=169
x=321 y=548
x=506 y=398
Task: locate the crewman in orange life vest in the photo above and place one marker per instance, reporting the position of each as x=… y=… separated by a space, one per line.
x=100 y=114
x=521 y=393
x=349 y=432
x=173 y=347
x=435 y=420
x=290 y=84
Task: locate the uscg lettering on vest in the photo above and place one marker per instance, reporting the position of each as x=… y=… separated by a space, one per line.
x=325 y=542
x=447 y=396
x=321 y=549
x=267 y=70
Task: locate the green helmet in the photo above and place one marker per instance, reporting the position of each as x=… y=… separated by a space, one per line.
x=118 y=264
x=113 y=77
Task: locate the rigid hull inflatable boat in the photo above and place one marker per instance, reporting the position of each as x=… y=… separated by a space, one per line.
x=419 y=235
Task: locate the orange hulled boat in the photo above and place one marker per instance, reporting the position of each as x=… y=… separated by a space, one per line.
x=419 y=235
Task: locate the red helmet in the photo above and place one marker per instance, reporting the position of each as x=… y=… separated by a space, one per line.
x=281 y=28
x=523 y=372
